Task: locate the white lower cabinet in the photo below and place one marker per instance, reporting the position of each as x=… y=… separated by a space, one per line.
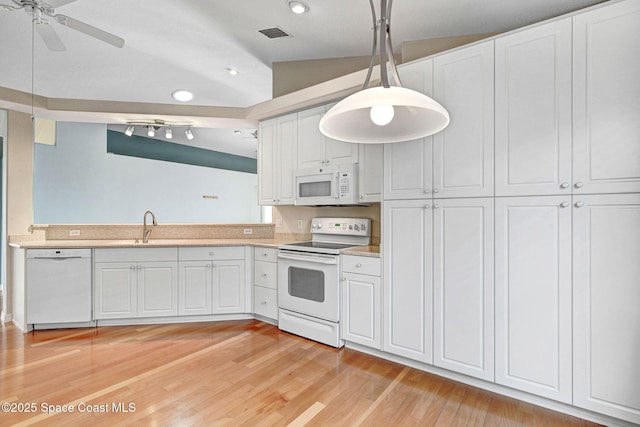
x=463 y=318
x=533 y=295
x=360 y=320
x=408 y=279
x=265 y=289
x=212 y=280
x=132 y=283
x=606 y=292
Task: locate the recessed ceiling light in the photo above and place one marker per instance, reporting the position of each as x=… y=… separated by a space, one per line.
x=182 y=95
x=232 y=71
x=298 y=7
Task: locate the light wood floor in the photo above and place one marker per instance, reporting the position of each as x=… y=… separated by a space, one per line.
x=231 y=373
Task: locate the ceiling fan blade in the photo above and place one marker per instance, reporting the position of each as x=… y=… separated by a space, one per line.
x=54 y=4
x=49 y=36
x=90 y=30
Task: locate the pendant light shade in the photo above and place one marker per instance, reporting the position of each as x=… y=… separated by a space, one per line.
x=413 y=116
x=388 y=113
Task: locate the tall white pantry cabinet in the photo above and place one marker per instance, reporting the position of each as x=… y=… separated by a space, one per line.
x=559 y=210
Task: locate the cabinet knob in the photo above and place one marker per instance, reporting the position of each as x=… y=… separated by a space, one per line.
x=579 y=204
x=578 y=184
x=358 y=265
x=213 y=265
x=426 y=191
x=263 y=275
x=264 y=302
x=344 y=279
x=436 y=206
x=133 y=267
x=427 y=207
x=211 y=253
x=435 y=190
x=139 y=267
x=564 y=204
x=208 y=265
x=362 y=197
x=564 y=185
x=265 y=254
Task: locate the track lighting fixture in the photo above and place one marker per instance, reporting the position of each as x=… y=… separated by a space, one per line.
x=153 y=126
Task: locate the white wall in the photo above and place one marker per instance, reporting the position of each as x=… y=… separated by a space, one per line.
x=77 y=182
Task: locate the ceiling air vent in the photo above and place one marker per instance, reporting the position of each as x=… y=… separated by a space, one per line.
x=274 y=33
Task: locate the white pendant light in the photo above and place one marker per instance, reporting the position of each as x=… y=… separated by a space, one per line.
x=386 y=113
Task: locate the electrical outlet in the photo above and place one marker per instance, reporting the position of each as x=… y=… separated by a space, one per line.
x=248 y=231
x=74 y=233
x=299 y=224
x=278 y=222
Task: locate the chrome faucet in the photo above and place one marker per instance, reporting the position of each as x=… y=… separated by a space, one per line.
x=146 y=232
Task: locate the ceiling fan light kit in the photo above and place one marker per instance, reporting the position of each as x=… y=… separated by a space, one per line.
x=385 y=113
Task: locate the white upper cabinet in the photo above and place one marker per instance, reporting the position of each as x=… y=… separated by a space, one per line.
x=533 y=111
x=606 y=99
x=463 y=286
x=408 y=165
x=316 y=150
x=277 y=148
x=533 y=295
x=463 y=151
x=606 y=292
x=370 y=173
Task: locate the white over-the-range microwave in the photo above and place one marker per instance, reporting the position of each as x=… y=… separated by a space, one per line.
x=327 y=185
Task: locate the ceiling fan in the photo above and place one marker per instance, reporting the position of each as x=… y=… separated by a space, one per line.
x=45 y=12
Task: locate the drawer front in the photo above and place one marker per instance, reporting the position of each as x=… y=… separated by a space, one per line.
x=200 y=253
x=266 y=274
x=266 y=254
x=135 y=254
x=361 y=265
x=265 y=302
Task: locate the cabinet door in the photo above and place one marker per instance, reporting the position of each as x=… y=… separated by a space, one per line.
x=311 y=142
x=606 y=292
x=194 y=288
x=408 y=287
x=286 y=149
x=533 y=111
x=266 y=163
x=407 y=170
x=463 y=286
x=533 y=295
x=228 y=287
x=606 y=99
x=370 y=173
x=361 y=310
x=116 y=290
x=157 y=289
x=463 y=151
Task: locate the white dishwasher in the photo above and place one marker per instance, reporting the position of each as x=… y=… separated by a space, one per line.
x=59 y=283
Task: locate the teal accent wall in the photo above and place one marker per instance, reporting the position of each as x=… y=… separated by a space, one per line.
x=148 y=148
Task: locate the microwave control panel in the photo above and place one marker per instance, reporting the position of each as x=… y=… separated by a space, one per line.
x=345 y=187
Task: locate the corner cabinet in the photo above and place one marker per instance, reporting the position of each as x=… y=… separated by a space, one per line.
x=277 y=148
x=315 y=149
x=606 y=293
x=133 y=283
x=408 y=279
x=606 y=99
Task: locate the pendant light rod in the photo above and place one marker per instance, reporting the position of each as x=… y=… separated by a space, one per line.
x=384 y=32
x=374 y=49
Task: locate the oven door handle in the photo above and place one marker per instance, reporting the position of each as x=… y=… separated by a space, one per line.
x=315 y=260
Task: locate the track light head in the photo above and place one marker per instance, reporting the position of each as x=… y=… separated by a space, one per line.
x=188 y=133
x=129 y=130
x=168 y=133
x=151 y=131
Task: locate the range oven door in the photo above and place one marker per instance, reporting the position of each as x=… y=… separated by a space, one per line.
x=309 y=284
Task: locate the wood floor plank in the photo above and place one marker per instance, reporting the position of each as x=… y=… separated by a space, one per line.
x=240 y=373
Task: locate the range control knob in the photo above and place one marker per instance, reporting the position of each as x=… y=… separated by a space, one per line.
x=363 y=227
x=356 y=227
x=319 y=226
